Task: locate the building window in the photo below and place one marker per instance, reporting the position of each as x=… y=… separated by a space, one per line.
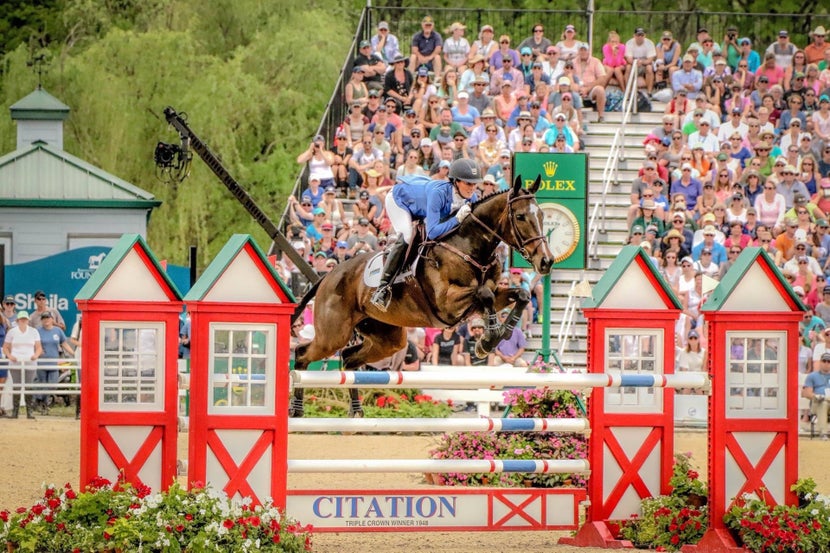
x=242 y=368
x=132 y=362
x=634 y=351
x=756 y=379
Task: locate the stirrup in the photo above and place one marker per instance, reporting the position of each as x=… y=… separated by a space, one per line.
x=381 y=298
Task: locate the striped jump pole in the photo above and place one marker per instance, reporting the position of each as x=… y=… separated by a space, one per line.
x=471 y=466
x=438 y=425
x=460 y=381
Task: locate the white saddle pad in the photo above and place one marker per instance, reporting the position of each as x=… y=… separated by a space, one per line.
x=373 y=270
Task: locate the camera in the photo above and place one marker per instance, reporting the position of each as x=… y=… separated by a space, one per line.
x=731 y=36
x=166 y=154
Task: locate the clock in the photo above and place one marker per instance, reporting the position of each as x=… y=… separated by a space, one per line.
x=561 y=227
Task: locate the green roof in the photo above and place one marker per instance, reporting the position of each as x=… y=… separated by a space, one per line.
x=40 y=105
x=114 y=258
x=627 y=256
x=223 y=259
x=738 y=270
x=41 y=173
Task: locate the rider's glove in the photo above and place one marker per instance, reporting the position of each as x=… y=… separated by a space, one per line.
x=463 y=213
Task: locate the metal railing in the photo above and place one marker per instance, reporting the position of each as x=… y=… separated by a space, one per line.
x=598 y=222
x=64 y=387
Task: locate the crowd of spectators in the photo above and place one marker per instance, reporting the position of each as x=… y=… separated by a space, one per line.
x=741 y=158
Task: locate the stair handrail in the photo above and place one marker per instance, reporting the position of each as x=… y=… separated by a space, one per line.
x=566 y=326
x=610 y=175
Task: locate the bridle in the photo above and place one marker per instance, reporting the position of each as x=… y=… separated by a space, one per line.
x=522 y=242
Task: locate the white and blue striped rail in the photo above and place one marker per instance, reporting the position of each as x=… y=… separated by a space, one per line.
x=437 y=425
x=469 y=466
x=492 y=380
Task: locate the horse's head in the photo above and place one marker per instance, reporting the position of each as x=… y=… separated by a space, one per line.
x=524 y=230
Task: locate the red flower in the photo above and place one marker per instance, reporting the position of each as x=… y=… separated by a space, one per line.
x=188 y=517
x=180 y=528
x=107 y=536
x=70 y=494
x=228 y=524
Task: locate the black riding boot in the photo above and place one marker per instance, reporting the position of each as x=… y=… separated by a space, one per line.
x=29 y=405
x=383 y=294
x=15 y=406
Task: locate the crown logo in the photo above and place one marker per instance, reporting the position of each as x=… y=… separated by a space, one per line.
x=550 y=168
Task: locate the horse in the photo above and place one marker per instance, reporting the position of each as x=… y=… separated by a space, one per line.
x=454 y=277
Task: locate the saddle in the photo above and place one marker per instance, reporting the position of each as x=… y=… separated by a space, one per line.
x=374 y=267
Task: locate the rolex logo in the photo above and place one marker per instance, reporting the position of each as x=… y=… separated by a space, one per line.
x=550 y=168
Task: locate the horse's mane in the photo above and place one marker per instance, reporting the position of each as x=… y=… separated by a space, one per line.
x=487 y=197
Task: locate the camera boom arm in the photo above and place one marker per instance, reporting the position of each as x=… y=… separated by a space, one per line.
x=210 y=159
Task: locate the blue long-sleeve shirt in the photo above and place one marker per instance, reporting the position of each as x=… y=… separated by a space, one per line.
x=430 y=200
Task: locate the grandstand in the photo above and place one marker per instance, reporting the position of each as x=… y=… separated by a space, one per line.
x=603 y=141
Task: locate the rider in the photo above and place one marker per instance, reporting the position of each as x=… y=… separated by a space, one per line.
x=432 y=201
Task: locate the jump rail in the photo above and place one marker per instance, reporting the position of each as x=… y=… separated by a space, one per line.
x=472 y=466
x=438 y=425
x=565 y=381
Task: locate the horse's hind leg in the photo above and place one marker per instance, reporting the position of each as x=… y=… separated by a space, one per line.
x=379 y=340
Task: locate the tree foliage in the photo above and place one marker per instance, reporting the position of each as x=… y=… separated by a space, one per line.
x=252 y=76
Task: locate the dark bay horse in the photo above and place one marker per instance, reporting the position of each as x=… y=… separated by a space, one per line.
x=455 y=277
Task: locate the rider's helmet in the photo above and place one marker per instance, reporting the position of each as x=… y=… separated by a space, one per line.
x=466 y=170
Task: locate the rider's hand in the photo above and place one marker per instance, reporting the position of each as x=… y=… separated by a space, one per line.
x=463 y=213
x=818 y=397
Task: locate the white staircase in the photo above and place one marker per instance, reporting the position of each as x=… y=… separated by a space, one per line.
x=597 y=144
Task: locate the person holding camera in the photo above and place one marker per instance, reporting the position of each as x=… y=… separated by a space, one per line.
x=730 y=49
x=815 y=389
x=319 y=162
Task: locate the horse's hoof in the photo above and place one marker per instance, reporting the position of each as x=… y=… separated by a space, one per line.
x=356 y=414
x=294 y=413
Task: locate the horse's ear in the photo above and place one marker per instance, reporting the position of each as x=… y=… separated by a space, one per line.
x=536 y=184
x=517 y=185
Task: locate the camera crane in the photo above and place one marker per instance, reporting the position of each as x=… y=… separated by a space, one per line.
x=166 y=154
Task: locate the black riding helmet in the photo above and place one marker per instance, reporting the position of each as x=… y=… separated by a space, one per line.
x=466 y=170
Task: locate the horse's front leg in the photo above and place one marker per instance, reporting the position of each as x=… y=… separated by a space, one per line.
x=492 y=332
x=519 y=297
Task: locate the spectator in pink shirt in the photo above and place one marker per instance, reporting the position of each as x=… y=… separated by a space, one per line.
x=771 y=71
x=613 y=58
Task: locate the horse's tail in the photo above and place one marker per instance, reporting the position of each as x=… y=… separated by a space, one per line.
x=307 y=297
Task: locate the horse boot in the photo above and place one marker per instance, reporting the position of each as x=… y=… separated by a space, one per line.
x=355 y=408
x=295 y=406
x=383 y=294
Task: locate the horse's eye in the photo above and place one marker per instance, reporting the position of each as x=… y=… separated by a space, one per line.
x=521 y=217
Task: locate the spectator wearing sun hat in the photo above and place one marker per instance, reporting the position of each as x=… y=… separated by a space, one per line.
x=427 y=45
x=719 y=254
x=385 y=44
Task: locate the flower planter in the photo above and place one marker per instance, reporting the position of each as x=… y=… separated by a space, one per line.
x=696 y=500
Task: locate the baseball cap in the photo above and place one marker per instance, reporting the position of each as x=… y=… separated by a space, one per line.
x=426 y=142
x=383 y=25
x=22 y=314
x=637 y=229
x=563 y=81
x=825 y=356
x=364 y=194
x=444 y=163
x=800 y=290
x=342 y=244
x=722 y=157
x=365 y=43
x=693 y=334
x=330 y=190
x=526 y=51
x=8 y=299
x=327 y=226
x=427 y=20
x=363 y=221
x=423 y=71
x=462 y=94
x=298 y=245
x=46 y=315
x=782 y=33
x=639 y=31
x=505 y=153
x=318 y=211
x=709 y=230
x=477 y=323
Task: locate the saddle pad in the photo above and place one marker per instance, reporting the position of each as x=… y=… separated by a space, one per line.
x=373 y=270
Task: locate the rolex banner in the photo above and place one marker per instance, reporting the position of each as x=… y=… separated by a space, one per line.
x=563 y=196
